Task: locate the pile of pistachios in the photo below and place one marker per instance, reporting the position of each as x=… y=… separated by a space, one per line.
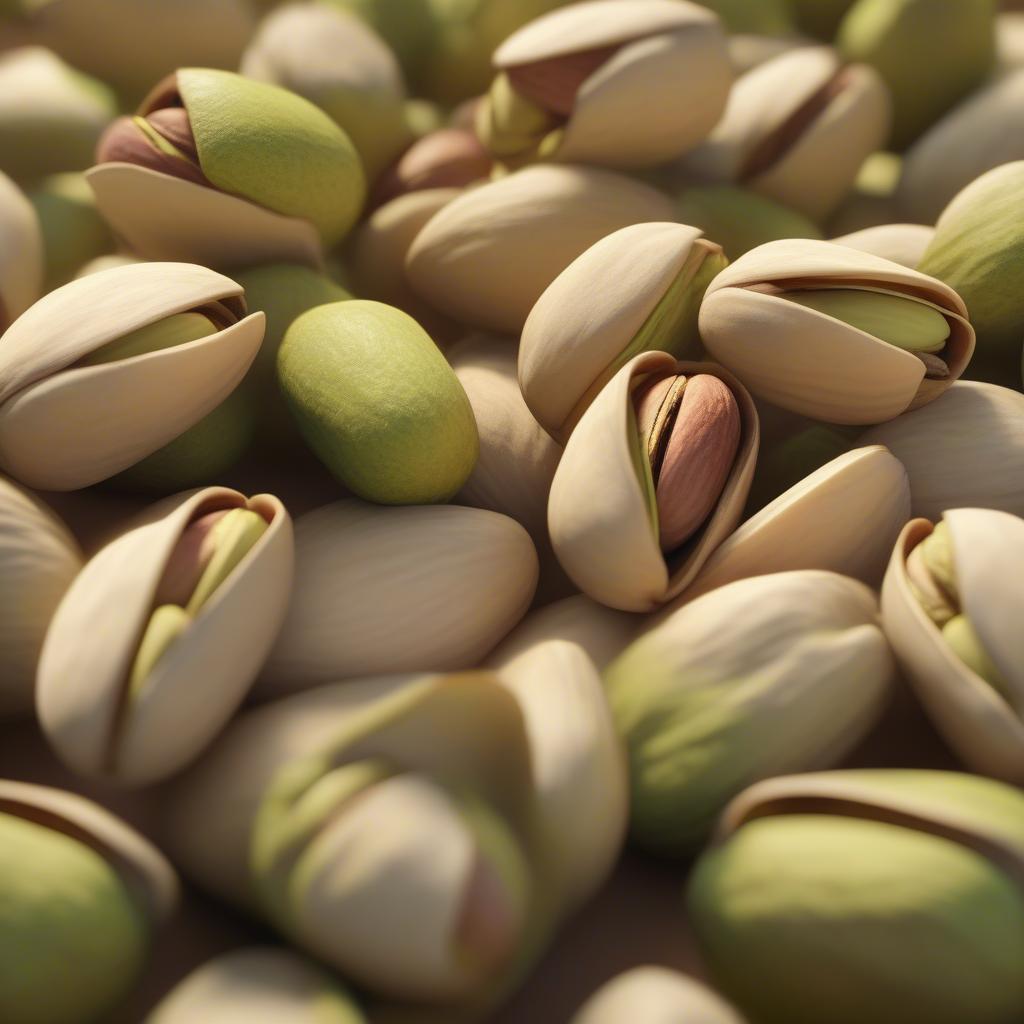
x=511 y=511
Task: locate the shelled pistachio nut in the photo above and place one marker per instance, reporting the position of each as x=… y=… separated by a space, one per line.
x=382 y=590
x=584 y=84
x=378 y=404
x=652 y=480
x=979 y=429
x=80 y=896
x=332 y=58
x=636 y=289
x=904 y=889
x=772 y=674
x=259 y=984
x=156 y=346
x=158 y=639
x=225 y=171
x=951 y=608
x=446 y=158
x=796 y=129
x=383 y=824
x=38 y=560
x=655 y=995
x=836 y=334
x=21 y=253
x=50 y=114
x=486 y=257
x=904 y=244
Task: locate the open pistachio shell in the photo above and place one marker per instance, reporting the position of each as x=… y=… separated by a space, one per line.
x=38 y=560
x=486 y=257
x=655 y=995
x=599 y=512
x=899 y=243
x=985 y=726
x=50 y=436
x=815 y=364
x=382 y=590
x=607 y=111
x=21 y=253
x=797 y=129
x=81 y=896
x=136 y=710
x=979 y=431
x=261 y=985
x=638 y=288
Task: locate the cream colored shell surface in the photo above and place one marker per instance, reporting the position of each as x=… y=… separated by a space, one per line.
x=21 y=253
x=192 y=691
x=901 y=243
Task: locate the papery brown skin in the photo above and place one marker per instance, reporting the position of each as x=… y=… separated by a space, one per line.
x=554 y=83
x=448 y=158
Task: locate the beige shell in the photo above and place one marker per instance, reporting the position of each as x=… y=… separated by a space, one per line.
x=21 y=253
x=1010 y=40
x=589 y=315
x=597 y=512
x=982 y=725
x=50 y=434
x=900 y=243
x=748 y=51
x=38 y=560
x=388 y=589
x=964 y=450
x=108 y=262
x=162 y=217
x=816 y=171
x=84 y=706
x=666 y=48
x=843 y=518
x=811 y=363
x=487 y=256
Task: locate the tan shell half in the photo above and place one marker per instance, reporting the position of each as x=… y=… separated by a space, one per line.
x=811 y=363
x=51 y=433
x=619 y=117
x=965 y=450
x=817 y=170
x=589 y=315
x=843 y=518
x=21 y=253
x=380 y=590
x=82 y=699
x=901 y=243
x=162 y=217
x=597 y=512
x=487 y=256
x=981 y=725
x=38 y=560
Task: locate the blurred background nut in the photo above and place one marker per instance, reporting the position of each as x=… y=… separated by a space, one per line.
x=21 y=253
x=446 y=158
x=904 y=244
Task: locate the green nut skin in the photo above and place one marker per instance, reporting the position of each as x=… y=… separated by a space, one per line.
x=407 y=26
x=931 y=54
x=820 y=18
x=376 y=401
x=71 y=939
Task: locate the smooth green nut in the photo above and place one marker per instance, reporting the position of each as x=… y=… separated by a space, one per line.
x=376 y=401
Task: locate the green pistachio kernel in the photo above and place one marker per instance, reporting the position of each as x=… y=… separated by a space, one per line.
x=965 y=643
x=179 y=329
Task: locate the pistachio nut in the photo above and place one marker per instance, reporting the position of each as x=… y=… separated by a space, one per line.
x=796 y=129
x=159 y=637
x=904 y=244
x=334 y=60
x=835 y=334
x=979 y=429
x=383 y=590
x=903 y=889
x=117 y=259
x=376 y=401
x=652 y=480
x=873 y=200
x=740 y=220
x=951 y=609
x=156 y=346
x=409 y=27
x=748 y=51
x=1010 y=40
x=50 y=114
x=655 y=995
x=635 y=290
x=259 y=984
x=486 y=257
x=820 y=18
x=929 y=53
x=38 y=560
x=585 y=83
x=80 y=896
x=777 y=673
x=226 y=171
x=21 y=253
x=446 y=158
